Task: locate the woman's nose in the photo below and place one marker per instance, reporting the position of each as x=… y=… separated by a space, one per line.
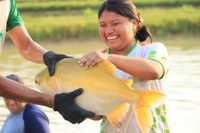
x=109 y=30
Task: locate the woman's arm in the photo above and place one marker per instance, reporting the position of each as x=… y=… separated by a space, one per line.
x=138 y=67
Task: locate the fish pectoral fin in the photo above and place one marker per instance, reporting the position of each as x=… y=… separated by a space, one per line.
x=118 y=115
x=143 y=117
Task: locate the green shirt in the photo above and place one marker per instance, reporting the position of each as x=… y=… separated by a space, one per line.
x=14 y=18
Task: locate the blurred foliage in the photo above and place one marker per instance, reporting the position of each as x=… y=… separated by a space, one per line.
x=77 y=5
x=61 y=19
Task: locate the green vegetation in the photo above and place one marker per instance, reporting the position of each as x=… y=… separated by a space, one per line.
x=61 y=19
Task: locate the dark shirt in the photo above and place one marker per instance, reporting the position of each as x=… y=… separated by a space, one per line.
x=35 y=120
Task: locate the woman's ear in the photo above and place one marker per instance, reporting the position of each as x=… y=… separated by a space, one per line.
x=135 y=25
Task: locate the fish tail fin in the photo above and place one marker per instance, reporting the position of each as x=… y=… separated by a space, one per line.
x=144 y=100
x=144 y=118
x=142 y=111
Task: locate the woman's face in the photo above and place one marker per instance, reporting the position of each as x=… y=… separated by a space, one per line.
x=14 y=106
x=117 y=32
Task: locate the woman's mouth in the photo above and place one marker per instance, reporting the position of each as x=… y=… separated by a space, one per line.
x=111 y=37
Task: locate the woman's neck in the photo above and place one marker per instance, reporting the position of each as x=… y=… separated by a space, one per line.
x=126 y=50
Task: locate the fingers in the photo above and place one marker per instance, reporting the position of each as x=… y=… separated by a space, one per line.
x=90 y=114
x=76 y=93
x=89 y=60
x=65 y=104
x=82 y=114
x=62 y=56
x=77 y=114
x=51 y=68
x=86 y=114
x=50 y=58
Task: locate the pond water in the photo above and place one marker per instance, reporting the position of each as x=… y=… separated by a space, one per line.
x=182 y=84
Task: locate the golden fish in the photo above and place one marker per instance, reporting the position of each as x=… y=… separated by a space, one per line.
x=104 y=93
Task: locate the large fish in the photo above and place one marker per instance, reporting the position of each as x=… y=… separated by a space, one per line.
x=104 y=93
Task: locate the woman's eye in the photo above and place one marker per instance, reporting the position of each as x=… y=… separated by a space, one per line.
x=115 y=24
x=102 y=25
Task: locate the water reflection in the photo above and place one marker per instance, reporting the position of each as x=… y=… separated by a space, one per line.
x=182 y=87
x=182 y=84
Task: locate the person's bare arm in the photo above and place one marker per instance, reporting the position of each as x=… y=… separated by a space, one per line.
x=14 y=90
x=28 y=48
x=139 y=67
x=64 y=103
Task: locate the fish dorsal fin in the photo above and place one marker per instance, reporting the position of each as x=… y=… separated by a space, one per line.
x=109 y=66
x=118 y=115
x=128 y=82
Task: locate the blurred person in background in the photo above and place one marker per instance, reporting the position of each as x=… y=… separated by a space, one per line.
x=24 y=117
x=12 y=24
x=121 y=29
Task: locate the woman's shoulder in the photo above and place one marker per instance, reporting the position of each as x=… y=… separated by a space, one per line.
x=153 y=45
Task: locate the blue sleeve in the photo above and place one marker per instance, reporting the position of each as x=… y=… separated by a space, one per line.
x=35 y=120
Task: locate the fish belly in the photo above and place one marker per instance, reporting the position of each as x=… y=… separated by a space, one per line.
x=100 y=104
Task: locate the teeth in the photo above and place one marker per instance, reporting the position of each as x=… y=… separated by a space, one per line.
x=111 y=37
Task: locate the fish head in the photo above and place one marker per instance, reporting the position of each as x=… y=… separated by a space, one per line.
x=46 y=83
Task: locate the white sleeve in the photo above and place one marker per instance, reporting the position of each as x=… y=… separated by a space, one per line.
x=158 y=52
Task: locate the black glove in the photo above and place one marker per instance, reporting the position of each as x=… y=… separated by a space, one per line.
x=51 y=58
x=65 y=104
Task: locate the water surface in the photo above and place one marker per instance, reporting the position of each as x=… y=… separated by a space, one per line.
x=181 y=84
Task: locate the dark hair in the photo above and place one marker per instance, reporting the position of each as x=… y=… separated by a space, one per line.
x=127 y=9
x=15 y=78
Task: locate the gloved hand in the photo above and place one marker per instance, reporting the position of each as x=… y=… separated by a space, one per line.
x=51 y=58
x=65 y=104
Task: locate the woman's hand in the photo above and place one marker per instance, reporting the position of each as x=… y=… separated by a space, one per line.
x=90 y=59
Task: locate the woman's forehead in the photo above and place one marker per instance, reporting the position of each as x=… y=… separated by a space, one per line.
x=110 y=15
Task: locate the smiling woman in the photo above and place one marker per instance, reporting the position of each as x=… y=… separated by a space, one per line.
x=128 y=20
x=144 y=63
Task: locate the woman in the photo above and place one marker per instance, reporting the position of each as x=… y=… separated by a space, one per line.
x=120 y=27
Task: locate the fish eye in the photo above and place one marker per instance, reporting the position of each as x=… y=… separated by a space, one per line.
x=36 y=81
